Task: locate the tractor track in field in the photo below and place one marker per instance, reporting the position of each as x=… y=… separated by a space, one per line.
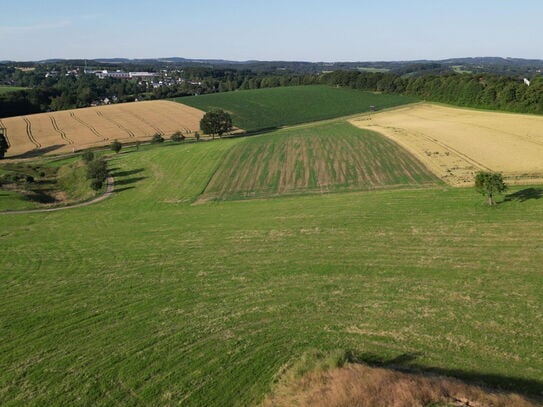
x=110 y=189
x=30 y=135
x=88 y=126
x=157 y=129
x=59 y=131
x=120 y=126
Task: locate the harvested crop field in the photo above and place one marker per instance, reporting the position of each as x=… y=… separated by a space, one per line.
x=315 y=158
x=70 y=130
x=456 y=143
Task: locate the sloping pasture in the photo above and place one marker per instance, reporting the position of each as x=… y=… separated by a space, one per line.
x=259 y=109
x=316 y=158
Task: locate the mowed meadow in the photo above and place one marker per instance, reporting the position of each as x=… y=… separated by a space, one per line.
x=180 y=290
x=146 y=298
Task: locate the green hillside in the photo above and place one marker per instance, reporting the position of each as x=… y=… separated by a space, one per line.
x=315 y=158
x=274 y=107
x=7 y=89
x=147 y=299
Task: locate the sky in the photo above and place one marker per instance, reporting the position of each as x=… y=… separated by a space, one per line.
x=291 y=30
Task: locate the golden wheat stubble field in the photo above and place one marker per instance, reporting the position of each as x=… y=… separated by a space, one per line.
x=455 y=143
x=72 y=130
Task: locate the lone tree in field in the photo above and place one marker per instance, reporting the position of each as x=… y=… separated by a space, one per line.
x=116 y=146
x=489 y=184
x=216 y=122
x=3 y=145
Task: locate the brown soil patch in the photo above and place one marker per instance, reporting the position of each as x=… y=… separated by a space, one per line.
x=363 y=386
x=73 y=130
x=456 y=143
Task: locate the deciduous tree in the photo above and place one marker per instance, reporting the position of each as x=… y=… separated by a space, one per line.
x=489 y=184
x=216 y=122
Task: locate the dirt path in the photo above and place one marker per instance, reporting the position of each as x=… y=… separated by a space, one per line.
x=109 y=191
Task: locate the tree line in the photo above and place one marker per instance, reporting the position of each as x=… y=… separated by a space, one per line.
x=426 y=81
x=486 y=91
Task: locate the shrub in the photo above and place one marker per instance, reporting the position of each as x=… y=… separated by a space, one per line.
x=87 y=156
x=97 y=170
x=96 y=184
x=177 y=136
x=116 y=146
x=157 y=138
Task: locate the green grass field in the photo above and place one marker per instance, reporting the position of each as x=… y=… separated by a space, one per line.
x=7 y=89
x=319 y=158
x=146 y=299
x=270 y=108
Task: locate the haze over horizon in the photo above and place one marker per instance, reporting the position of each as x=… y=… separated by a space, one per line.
x=292 y=31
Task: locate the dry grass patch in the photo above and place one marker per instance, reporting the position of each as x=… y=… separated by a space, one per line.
x=364 y=386
x=456 y=143
x=72 y=130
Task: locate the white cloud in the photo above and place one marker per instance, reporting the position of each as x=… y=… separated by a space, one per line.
x=36 y=27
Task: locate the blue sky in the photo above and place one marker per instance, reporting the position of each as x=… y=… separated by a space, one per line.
x=340 y=30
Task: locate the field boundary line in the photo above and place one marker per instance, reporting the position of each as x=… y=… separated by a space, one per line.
x=110 y=189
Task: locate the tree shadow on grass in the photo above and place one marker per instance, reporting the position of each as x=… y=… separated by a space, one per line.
x=37 y=152
x=117 y=190
x=524 y=195
x=126 y=173
x=407 y=362
x=129 y=181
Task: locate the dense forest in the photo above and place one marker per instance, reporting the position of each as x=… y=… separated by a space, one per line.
x=485 y=91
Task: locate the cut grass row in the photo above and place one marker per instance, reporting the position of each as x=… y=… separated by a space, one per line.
x=319 y=158
x=259 y=109
x=146 y=299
